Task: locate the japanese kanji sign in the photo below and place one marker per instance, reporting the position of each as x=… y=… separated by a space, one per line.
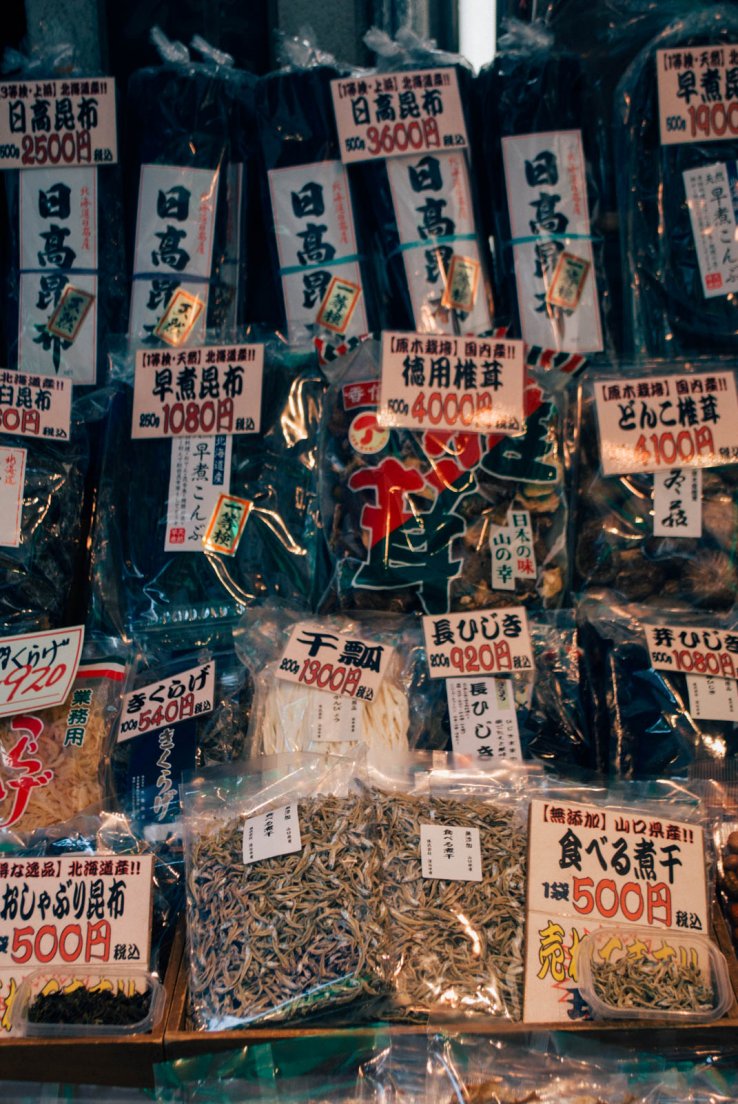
x=488 y=642
x=35 y=406
x=677 y=503
x=693 y=650
x=712 y=199
x=425 y=387
x=698 y=93
x=591 y=867
x=57 y=122
x=12 y=485
x=37 y=669
x=190 y=693
x=394 y=114
x=337 y=663
x=199 y=391
x=662 y=422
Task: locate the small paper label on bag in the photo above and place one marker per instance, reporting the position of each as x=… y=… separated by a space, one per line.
x=712 y=199
x=335 y=718
x=227 y=524
x=484 y=723
x=200 y=472
x=677 y=503
x=271 y=834
x=12 y=483
x=450 y=853
x=713 y=699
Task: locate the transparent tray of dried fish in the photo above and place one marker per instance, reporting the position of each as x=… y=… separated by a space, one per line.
x=291 y=935
x=639 y=973
x=455 y=947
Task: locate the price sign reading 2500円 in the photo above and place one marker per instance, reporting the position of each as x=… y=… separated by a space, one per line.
x=664 y=422
x=48 y=123
x=398 y=114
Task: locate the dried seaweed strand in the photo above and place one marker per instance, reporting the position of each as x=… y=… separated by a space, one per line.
x=640 y=982
x=287 y=935
x=457 y=945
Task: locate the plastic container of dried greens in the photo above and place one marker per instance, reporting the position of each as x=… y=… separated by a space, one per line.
x=640 y=974
x=115 y=1002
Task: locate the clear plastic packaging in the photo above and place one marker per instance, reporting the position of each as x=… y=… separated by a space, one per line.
x=413 y=519
x=667 y=312
x=150 y=566
x=100 y=1002
x=292 y=931
x=544 y=194
x=637 y=973
x=290 y=716
x=614 y=539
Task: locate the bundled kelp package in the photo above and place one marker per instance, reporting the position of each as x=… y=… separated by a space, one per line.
x=666 y=536
x=329 y=683
x=543 y=194
x=429 y=243
x=46 y=495
x=537 y=712
x=320 y=278
x=186 y=706
x=195 y=527
x=676 y=143
x=65 y=281
x=663 y=686
x=54 y=761
x=191 y=131
x=438 y=521
x=282 y=865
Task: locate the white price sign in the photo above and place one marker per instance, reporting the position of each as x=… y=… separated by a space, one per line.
x=334 y=662
x=57 y=122
x=489 y=642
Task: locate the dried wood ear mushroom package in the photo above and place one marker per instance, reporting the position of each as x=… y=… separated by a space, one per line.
x=414 y=519
x=281 y=896
x=666 y=537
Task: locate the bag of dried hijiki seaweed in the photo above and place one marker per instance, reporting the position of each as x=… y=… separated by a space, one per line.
x=282 y=866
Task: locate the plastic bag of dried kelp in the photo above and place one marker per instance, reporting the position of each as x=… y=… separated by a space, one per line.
x=316 y=243
x=675 y=172
x=544 y=192
x=65 y=226
x=190 y=152
x=157 y=497
x=53 y=762
x=431 y=256
x=538 y=714
x=454 y=947
x=413 y=519
x=44 y=519
x=186 y=706
x=295 y=708
x=667 y=716
x=664 y=538
x=282 y=868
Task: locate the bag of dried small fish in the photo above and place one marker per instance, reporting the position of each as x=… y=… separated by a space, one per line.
x=186 y=706
x=452 y=897
x=527 y=714
x=158 y=496
x=328 y=683
x=282 y=867
x=663 y=684
x=52 y=761
x=420 y=520
x=665 y=537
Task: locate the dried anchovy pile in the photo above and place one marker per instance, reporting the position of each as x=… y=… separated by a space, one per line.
x=456 y=945
x=288 y=935
x=639 y=982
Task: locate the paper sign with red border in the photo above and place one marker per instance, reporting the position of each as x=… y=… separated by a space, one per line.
x=37 y=669
x=338 y=306
x=69 y=316
x=223 y=534
x=180 y=318
x=398 y=114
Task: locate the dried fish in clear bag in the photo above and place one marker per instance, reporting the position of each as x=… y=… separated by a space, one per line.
x=454 y=946
x=289 y=935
